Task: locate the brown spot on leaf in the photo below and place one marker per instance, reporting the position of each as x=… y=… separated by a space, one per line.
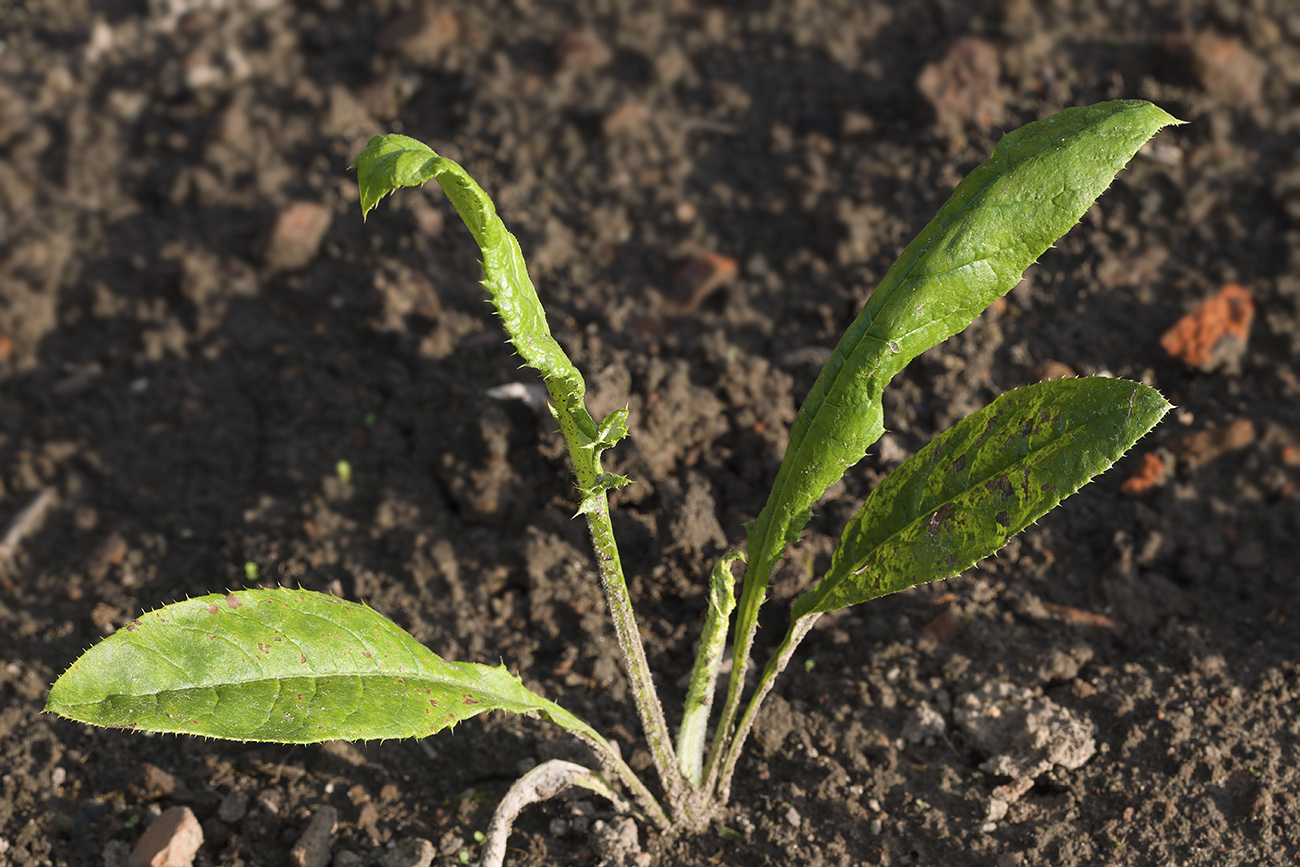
x=937 y=519
x=232 y=601
x=470 y=699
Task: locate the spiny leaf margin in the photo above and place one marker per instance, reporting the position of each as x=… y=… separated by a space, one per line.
x=980 y=482
x=1036 y=185
x=279 y=665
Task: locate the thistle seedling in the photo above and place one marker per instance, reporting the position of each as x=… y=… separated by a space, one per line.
x=294 y=666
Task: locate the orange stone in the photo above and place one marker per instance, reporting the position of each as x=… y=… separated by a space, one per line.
x=1215 y=333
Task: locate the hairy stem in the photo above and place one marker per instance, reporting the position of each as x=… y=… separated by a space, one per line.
x=595 y=507
x=780 y=659
x=757 y=575
x=629 y=639
x=699 y=697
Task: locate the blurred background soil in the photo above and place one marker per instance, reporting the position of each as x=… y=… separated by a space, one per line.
x=196 y=328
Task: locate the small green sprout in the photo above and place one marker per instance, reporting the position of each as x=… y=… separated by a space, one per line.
x=343 y=671
x=251 y=571
x=343 y=470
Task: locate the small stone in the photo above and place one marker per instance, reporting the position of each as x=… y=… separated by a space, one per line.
x=313 y=847
x=962 y=87
x=1023 y=734
x=924 y=722
x=1200 y=448
x=792 y=816
x=234 y=807
x=1227 y=69
x=422 y=34
x=347 y=858
x=152 y=782
x=582 y=51
x=409 y=852
x=616 y=842
x=297 y=235
x=172 y=840
x=559 y=827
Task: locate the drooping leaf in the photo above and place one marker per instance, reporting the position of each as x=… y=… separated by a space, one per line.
x=288 y=666
x=393 y=161
x=1036 y=185
x=980 y=482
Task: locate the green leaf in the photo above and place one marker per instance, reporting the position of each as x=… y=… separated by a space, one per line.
x=392 y=161
x=980 y=482
x=1000 y=219
x=289 y=666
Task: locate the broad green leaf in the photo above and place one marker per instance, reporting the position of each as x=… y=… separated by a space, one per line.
x=980 y=482
x=289 y=666
x=393 y=161
x=1036 y=185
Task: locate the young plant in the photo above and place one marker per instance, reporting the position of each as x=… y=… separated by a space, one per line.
x=293 y=666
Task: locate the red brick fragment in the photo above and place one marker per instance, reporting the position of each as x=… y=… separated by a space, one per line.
x=1151 y=472
x=1214 y=334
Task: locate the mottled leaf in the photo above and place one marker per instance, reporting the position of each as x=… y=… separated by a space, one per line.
x=980 y=482
x=1036 y=185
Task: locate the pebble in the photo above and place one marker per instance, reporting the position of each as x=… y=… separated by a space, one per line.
x=409 y=852
x=962 y=86
x=297 y=235
x=313 y=847
x=1227 y=69
x=233 y=807
x=792 y=816
x=1200 y=448
x=172 y=840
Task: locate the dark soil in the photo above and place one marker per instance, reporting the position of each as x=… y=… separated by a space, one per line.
x=184 y=377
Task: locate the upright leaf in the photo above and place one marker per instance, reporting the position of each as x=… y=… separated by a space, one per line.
x=1036 y=185
x=980 y=482
x=289 y=666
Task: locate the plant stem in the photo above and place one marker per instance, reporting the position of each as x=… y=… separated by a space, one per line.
x=629 y=639
x=594 y=506
x=775 y=665
x=757 y=574
x=699 y=697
